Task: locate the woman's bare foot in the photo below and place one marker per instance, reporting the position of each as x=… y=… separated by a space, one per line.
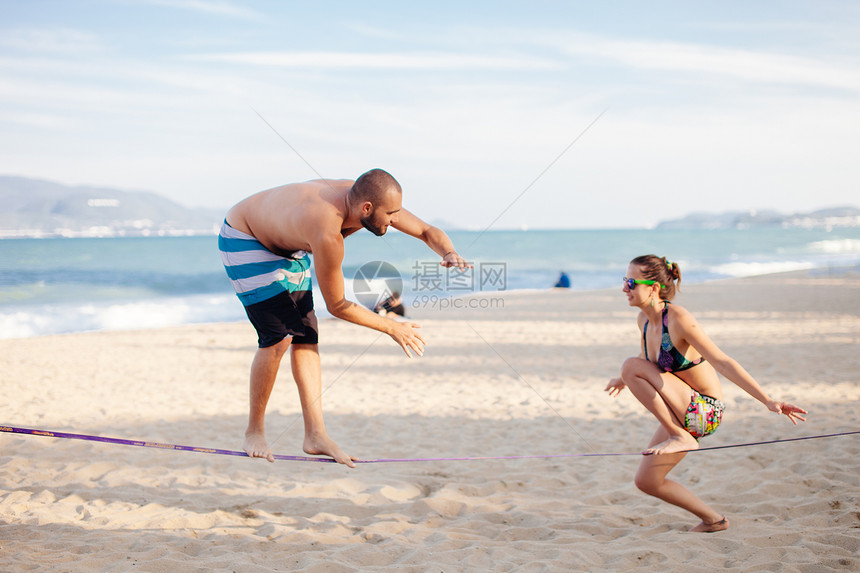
x=256 y=446
x=675 y=444
x=704 y=527
x=322 y=445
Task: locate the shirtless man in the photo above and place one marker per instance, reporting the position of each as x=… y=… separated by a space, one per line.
x=264 y=245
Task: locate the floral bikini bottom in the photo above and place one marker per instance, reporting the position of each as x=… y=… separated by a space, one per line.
x=703 y=415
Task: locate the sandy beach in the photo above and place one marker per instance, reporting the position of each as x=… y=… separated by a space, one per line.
x=523 y=378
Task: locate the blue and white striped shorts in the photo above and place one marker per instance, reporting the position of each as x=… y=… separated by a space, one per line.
x=257 y=273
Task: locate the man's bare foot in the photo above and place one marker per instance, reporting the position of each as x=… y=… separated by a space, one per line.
x=256 y=446
x=675 y=444
x=322 y=445
x=720 y=525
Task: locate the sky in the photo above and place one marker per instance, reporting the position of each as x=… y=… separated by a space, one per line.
x=500 y=115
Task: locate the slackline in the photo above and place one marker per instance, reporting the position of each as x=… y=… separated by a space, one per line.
x=161 y=446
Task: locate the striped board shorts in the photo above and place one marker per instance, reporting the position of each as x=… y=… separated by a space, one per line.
x=257 y=273
x=275 y=290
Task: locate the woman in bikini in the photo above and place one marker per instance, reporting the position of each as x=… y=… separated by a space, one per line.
x=675 y=378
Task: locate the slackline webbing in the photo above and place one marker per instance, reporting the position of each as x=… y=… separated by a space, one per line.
x=162 y=446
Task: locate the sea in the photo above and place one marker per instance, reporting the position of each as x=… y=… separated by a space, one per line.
x=66 y=285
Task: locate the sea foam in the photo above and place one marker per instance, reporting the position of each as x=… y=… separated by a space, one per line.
x=38 y=320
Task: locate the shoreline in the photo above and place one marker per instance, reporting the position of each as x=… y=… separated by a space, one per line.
x=450 y=303
x=526 y=379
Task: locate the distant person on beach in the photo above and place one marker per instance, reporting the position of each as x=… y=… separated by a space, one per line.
x=391 y=305
x=563 y=281
x=265 y=242
x=675 y=378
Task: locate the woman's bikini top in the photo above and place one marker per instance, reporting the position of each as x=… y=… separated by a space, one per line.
x=669 y=359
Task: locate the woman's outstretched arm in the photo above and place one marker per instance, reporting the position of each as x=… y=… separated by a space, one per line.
x=695 y=336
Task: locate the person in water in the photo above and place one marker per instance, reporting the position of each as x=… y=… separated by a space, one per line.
x=563 y=281
x=675 y=378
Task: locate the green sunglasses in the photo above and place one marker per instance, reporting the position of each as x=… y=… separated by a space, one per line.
x=631 y=283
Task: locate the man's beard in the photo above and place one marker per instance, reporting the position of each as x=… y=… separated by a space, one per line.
x=367 y=223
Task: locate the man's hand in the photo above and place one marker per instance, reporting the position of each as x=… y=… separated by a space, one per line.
x=452 y=259
x=405 y=335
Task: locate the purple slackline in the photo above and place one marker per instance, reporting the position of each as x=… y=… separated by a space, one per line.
x=120 y=441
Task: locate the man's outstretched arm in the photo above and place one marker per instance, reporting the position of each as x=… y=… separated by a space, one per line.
x=433 y=237
x=328 y=258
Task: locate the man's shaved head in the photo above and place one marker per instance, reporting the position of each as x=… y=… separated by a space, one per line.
x=383 y=193
x=373 y=186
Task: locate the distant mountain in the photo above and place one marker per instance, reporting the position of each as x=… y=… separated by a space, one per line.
x=821 y=219
x=39 y=208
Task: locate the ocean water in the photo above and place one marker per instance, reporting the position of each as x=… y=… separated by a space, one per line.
x=54 y=286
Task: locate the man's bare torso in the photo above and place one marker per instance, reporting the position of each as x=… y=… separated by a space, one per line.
x=284 y=217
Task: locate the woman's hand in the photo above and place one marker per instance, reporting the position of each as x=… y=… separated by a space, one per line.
x=615 y=387
x=793 y=412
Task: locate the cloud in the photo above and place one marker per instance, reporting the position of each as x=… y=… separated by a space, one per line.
x=50 y=40
x=37 y=120
x=747 y=65
x=380 y=61
x=219 y=7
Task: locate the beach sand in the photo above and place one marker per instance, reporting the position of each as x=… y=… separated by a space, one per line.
x=525 y=379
